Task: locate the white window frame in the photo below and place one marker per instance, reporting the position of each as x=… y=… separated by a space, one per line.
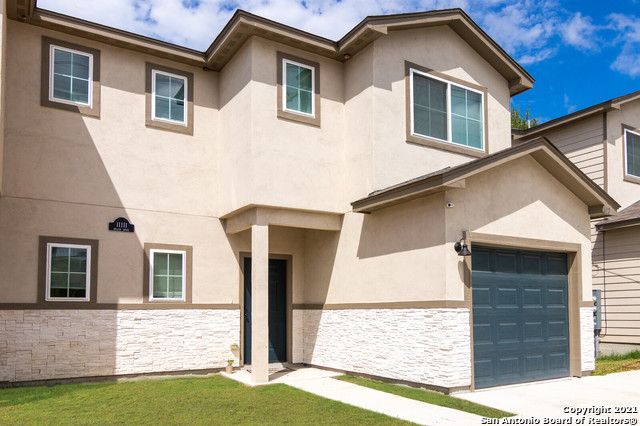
x=286 y=61
x=48 y=296
x=626 y=155
x=185 y=112
x=52 y=49
x=448 y=95
x=152 y=253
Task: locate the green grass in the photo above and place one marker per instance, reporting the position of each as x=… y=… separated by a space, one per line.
x=616 y=363
x=209 y=400
x=427 y=396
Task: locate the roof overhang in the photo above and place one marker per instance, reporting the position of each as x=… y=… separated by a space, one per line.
x=626 y=218
x=254 y=214
x=244 y=25
x=600 y=204
x=583 y=114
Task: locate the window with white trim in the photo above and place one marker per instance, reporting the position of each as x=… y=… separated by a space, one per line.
x=169 y=101
x=68 y=272
x=446 y=111
x=167 y=277
x=298 y=87
x=70 y=76
x=632 y=153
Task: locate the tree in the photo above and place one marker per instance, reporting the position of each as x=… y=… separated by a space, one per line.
x=521 y=120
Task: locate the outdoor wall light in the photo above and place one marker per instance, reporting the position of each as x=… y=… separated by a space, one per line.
x=461 y=248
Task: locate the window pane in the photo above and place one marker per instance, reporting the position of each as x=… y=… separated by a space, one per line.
x=162 y=108
x=474 y=105
x=474 y=132
x=80 y=66
x=160 y=286
x=633 y=154
x=80 y=91
x=293 y=100
x=177 y=88
x=459 y=130
x=437 y=95
x=438 y=124
x=160 y=266
x=59 y=280
x=59 y=259
x=175 y=264
x=292 y=76
x=420 y=120
x=175 y=287
x=177 y=110
x=62 y=87
x=61 y=62
x=305 y=78
x=429 y=107
x=305 y=102
x=458 y=101
x=78 y=260
x=163 y=85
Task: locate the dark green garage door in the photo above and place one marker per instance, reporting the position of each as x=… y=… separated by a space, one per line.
x=520 y=316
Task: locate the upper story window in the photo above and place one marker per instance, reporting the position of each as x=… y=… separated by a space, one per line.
x=169 y=99
x=298 y=89
x=70 y=77
x=70 y=74
x=632 y=153
x=445 y=112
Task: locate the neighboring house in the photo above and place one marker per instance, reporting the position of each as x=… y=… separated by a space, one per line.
x=604 y=142
x=297 y=197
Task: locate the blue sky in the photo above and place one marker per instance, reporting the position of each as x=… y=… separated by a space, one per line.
x=581 y=52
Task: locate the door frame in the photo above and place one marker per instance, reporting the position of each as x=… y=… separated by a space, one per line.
x=289 y=300
x=574 y=276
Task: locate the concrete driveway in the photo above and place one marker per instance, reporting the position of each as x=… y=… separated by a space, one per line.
x=568 y=398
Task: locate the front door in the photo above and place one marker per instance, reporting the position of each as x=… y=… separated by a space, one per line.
x=277 y=310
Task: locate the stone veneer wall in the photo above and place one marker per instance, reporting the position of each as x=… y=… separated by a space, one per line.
x=52 y=344
x=430 y=346
x=586 y=337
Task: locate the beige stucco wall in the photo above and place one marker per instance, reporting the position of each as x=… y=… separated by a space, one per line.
x=112 y=161
x=273 y=161
x=624 y=192
x=3 y=59
x=405 y=252
x=393 y=159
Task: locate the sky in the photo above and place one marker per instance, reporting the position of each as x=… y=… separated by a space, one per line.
x=580 y=52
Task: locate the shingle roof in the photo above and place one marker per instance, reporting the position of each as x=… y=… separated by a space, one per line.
x=626 y=217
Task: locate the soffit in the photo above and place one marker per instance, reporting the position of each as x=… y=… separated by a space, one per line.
x=550 y=158
x=244 y=25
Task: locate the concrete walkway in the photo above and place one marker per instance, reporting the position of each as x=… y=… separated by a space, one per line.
x=320 y=382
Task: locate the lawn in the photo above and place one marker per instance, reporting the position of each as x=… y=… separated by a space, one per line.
x=208 y=400
x=616 y=363
x=430 y=397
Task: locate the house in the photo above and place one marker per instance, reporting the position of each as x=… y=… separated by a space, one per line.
x=604 y=142
x=285 y=198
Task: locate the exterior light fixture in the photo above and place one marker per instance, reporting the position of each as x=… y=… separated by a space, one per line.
x=461 y=248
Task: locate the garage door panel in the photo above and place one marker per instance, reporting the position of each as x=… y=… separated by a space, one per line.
x=520 y=316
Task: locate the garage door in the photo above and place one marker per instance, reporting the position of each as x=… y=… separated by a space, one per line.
x=520 y=316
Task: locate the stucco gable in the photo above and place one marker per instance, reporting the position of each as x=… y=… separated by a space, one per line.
x=600 y=204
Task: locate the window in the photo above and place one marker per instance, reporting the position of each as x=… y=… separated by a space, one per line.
x=167 y=273
x=444 y=112
x=632 y=153
x=169 y=99
x=68 y=270
x=70 y=77
x=298 y=89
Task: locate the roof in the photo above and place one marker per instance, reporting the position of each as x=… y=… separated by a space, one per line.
x=625 y=218
x=544 y=152
x=611 y=104
x=244 y=25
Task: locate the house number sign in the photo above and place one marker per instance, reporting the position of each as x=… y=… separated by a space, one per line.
x=121 y=224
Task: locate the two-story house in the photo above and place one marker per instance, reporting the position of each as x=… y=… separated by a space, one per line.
x=281 y=197
x=604 y=142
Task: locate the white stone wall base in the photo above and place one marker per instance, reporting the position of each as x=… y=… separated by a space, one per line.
x=587 y=339
x=53 y=344
x=430 y=346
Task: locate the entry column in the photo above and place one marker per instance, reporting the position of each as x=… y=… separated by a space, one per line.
x=260 y=303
